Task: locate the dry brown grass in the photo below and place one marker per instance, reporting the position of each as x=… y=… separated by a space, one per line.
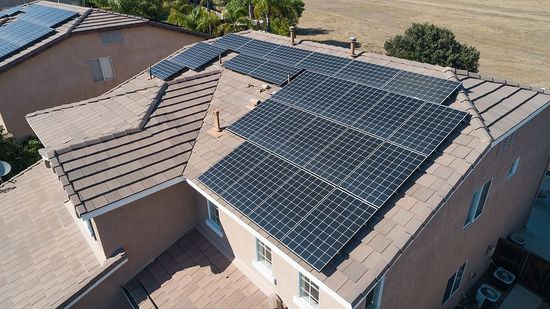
x=513 y=36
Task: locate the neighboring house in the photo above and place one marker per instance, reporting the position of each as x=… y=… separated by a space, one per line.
x=127 y=166
x=85 y=56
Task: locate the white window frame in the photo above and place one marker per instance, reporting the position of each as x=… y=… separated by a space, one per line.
x=476 y=203
x=261 y=264
x=456 y=285
x=105 y=65
x=213 y=220
x=305 y=299
x=513 y=168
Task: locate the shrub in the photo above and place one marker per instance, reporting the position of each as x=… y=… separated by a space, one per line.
x=18 y=155
x=431 y=44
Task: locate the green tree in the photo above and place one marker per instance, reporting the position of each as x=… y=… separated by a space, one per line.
x=198 y=18
x=152 y=9
x=287 y=12
x=431 y=44
x=235 y=18
x=19 y=156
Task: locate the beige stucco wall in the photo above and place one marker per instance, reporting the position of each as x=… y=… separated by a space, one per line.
x=445 y=245
x=62 y=73
x=240 y=245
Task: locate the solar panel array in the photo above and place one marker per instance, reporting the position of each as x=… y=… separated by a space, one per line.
x=330 y=148
x=192 y=58
x=33 y=23
x=273 y=72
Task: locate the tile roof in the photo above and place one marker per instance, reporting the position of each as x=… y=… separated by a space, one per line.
x=502 y=104
x=96 y=19
x=148 y=147
x=43 y=254
x=192 y=273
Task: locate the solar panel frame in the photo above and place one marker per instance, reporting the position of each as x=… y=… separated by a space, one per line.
x=166 y=69
x=231 y=41
x=341 y=214
x=198 y=55
x=424 y=87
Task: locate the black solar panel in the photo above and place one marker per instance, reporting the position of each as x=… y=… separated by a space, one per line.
x=343 y=155
x=428 y=127
x=386 y=116
x=7 y=48
x=166 y=69
x=10 y=11
x=198 y=55
x=257 y=48
x=259 y=117
x=290 y=203
x=382 y=173
x=367 y=73
x=323 y=63
x=265 y=70
x=288 y=55
x=243 y=63
x=299 y=88
x=22 y=33
x=323 y=94
x=231 y=41
x=327 y=228
x=431 y=89
x=46 y=16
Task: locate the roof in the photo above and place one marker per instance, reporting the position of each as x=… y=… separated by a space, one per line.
x=146 y=139
x=88 y=20
x=502 y=104
x=43 y=253
x=192 y=273
x=377 y=246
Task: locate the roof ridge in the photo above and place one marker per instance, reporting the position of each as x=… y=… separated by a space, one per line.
x=499 y=80
x=119 y=14
x=463 y=98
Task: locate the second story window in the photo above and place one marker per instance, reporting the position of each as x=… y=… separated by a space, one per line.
x=213 y=220
x=478 y=202
x=309 y=291
x=513 y=168
x=111 y=37
x=453 y=283
x=102 y=69
x=90 y=228
x=263 y=254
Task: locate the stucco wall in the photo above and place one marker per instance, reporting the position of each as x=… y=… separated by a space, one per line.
x=62 y=74
x=445 y=245
x=240 y=245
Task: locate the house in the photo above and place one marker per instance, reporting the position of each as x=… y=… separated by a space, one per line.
x=79 y=56
x=121 y=198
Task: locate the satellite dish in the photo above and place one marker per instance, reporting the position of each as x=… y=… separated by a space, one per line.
x=5 y=168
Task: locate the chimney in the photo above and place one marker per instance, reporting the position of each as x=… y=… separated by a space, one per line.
x=352 y=42
x=217 y=126
x=292 y=30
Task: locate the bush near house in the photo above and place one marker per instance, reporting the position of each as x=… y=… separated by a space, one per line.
x=431 y=44
x=18 y=155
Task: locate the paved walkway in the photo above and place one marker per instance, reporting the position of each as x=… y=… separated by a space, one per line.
x=192 y=273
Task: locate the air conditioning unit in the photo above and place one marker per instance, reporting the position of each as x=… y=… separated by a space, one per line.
x=486 y=293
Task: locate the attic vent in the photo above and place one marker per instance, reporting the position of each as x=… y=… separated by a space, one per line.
x=111 y=37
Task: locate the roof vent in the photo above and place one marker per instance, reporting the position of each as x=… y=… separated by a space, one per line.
x=292 y=30
x=216 y=131
x=352 y=42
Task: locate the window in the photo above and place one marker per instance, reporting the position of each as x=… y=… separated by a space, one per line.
x=214 y=219
x=102 y=69
x=263 y=254
x=111 y=37
x=477 y=204
x=374 y=298
x=90 y=228
x=513 y=168
x=453 y=283
x=309 y=291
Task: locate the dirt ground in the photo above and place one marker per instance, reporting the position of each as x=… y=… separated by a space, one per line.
x=513 y=36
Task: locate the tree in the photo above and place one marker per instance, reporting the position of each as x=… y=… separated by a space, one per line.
x=235 y=17
x=198 y=18
x=19 y=156
x=288 y=12
x=431 y=44
x=152 y=9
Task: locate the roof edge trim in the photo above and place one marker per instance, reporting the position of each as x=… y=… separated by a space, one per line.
x=294 y=264
x=499 y=81
x=132 y=198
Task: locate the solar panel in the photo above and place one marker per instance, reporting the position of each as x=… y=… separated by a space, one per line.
x=231 y=41
x=288 y=55
x=257 y=48
x=243 y=63
x=166 y=69
x=323 y=94
x=327 y=228
x=7 y=48
x=46 y=16
x=350 y=107
x=256 y=119
x=21 y=33
x=265 y=70
x=367 y=73
x=290 y=203
x=10 y=11
x=382 y=173
x=387 y=115
x=428 y=88
x=198 y=55
x=323 y=63
x=299 y=88
x=343 y=155
x=428 y=127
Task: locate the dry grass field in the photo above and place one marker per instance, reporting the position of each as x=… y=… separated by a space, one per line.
x=513 y=36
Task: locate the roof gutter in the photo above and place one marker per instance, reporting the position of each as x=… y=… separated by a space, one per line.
x=131 y=198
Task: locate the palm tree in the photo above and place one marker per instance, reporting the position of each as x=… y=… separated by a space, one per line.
x=235 y=19
x=266 y=9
